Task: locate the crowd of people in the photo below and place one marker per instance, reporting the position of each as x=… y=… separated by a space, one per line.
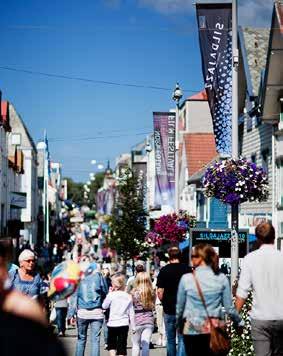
x=183 y=302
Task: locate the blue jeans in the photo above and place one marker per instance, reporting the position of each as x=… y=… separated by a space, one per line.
x=105 y=332
x=61 y=314
x=170 y=328
x=95 y=329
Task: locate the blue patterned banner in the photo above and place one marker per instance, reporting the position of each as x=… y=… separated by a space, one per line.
x=215 y=36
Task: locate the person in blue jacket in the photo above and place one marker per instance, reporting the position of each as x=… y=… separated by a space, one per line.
x=87 y=305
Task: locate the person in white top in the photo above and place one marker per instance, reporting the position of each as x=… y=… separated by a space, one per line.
x=121 y=315
x=262 y=273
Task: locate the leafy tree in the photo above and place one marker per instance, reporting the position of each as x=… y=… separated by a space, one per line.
x=75 y=191
x=95 y=185
x=128 y=224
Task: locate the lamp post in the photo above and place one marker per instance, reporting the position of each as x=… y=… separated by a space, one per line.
x=177 y=96
x=235 y=148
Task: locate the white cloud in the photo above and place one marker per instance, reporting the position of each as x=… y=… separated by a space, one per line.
x=168 y=6
x=251 y=12
x=113 y=4
x=255 y=12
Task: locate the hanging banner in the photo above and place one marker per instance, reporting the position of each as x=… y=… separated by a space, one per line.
x=140 y=171
x=101 y=201
x=164 y=144
x=215 y=37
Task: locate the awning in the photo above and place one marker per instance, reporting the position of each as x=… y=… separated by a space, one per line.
x=18 y=200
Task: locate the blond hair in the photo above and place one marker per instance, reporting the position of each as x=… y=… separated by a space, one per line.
x=118 y=281
x=144 y=287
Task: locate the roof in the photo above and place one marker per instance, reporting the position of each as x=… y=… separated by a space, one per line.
x=199 y=174
x=19 y=119
x=5 y=115
x=200 y=150
x=4 y=108
x=273 y=80
x=254 y=45
x=201 y=96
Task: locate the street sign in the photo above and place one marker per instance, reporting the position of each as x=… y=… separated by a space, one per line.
x=18 y=200
x=220 y=240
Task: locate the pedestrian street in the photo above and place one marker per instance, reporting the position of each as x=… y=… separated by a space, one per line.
x=70 y=340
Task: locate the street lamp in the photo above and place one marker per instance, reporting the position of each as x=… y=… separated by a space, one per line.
x=177 y=96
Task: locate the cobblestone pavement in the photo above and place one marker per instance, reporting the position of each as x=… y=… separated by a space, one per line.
x=70 y=344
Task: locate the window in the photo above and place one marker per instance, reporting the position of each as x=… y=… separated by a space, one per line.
x=249 y=123
x=264 y=160
x=258 y=120
x=253 y=158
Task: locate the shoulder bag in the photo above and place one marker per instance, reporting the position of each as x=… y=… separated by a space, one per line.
x=220 y=343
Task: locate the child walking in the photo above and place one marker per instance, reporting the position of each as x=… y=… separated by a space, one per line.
x=121 y=315
x=143 y=300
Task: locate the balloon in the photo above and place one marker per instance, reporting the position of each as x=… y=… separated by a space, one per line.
x=64 y=280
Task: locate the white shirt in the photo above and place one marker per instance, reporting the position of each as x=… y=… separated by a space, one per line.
x=121 y=309
x=94 y=314
x=262 y=272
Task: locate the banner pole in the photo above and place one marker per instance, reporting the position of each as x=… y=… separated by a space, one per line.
x=177 y=159
x=235 y=148
x=177 y=96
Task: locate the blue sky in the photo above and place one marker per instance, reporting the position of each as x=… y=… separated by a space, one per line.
x=143 y=42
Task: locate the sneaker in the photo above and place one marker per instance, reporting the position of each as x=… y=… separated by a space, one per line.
x=151 y=346
x=105 y=346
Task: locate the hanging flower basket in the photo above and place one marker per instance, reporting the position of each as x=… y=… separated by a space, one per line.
x=170 y=228
x=235 y=181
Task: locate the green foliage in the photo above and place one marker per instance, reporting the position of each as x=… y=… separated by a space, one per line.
x=128 y=222
x=242 y=344
x=95 y=185
x=75 y=191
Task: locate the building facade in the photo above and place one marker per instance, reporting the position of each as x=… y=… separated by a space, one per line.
x=29 y=176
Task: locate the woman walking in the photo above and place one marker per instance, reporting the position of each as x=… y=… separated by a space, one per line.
x=26 y=279
x=216 y=292
x=121 y=315
x=143 y=300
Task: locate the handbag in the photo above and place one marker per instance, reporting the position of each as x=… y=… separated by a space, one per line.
x=53 y=315
x=220 y=343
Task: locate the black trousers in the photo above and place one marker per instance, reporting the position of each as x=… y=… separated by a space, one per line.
x=197 y=345
x=117 y=339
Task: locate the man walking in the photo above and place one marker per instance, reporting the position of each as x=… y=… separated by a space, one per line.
x=89 y=298
x=262 y=273
x=167 y=287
